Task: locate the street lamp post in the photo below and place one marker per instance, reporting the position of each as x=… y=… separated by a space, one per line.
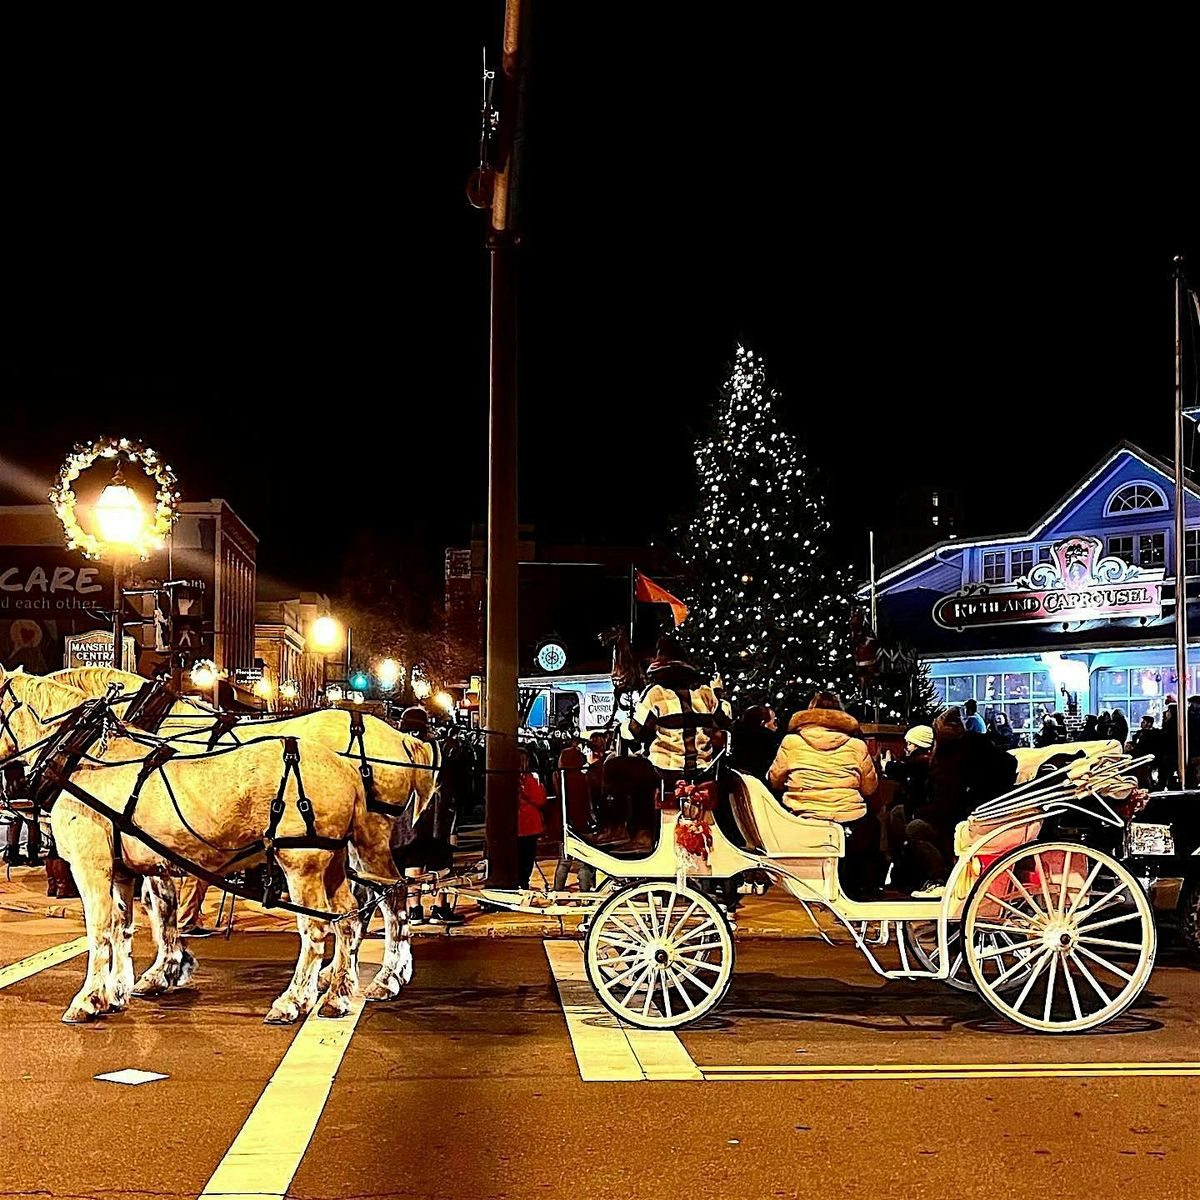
x=121 y=519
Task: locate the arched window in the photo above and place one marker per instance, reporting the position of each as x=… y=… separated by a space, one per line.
x=1135 y=498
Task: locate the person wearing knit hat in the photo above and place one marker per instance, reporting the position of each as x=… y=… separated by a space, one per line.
x=919 y=737
x=910 y=774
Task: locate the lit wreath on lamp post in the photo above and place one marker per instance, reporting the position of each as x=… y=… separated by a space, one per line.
x=124 y=530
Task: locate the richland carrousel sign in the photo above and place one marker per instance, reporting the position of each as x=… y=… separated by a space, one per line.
x=1079 y=583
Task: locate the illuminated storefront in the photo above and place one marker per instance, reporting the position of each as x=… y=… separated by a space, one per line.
x=1077 y=609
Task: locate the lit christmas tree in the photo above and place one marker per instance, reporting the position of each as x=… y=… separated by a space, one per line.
x=770 y=604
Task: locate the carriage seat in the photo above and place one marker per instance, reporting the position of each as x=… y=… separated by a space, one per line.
x=771 y=829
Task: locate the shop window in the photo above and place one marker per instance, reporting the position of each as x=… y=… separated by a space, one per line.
x=939 y=687
x=1191 y=551
x=1152 y=550
x=994 y=567
x=1043 y=554
x=1022 y=563
x=960 y=688
x=1121 y=547
x=1135 y=497
x=1016 y=687
x=1042 y=684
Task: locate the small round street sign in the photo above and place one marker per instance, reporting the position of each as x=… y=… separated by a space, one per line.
x=551 y=656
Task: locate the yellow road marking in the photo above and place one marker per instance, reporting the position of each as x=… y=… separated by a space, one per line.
x=268 y=1149
x=42 y=960
x=879 y=1071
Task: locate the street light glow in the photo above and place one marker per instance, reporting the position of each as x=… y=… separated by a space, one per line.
x=263 y=689
x=325 y=634
x=444 y=701
x=119 y=513
x=204 y=674
x=288 y=690
x=388 y=674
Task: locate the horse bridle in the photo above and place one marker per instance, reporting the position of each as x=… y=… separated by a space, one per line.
x=6 y=716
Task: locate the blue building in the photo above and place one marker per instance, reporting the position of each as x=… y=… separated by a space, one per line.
x=1080 y=607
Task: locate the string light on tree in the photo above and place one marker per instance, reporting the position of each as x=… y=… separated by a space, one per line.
x=771 y=605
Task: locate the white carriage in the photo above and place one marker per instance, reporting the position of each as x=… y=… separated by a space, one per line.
x=1054 y=934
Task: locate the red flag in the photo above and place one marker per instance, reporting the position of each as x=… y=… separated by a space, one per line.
x=655 y=593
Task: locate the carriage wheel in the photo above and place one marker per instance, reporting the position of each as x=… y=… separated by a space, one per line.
x=659 y=955
x=1080 y=932
x=921 y=937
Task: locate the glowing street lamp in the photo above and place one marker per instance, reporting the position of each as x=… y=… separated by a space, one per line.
x=204 y=674
x=443 y=701
x=119 y=514
x=288 y=691
x=388 y=673
x=420 y=685
x=325 y=635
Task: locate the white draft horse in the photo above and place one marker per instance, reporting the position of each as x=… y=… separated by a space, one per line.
x=399 y=772
x=204 y=808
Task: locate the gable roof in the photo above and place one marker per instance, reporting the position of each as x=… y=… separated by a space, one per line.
x=1151 y=461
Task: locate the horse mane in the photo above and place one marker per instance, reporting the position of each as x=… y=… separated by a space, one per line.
x=95 y=681
x=45 y=696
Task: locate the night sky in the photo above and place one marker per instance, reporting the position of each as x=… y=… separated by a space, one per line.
x=251 y=247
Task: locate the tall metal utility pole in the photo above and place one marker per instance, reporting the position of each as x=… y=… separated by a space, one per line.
x=1181 y=637
x=502 y=780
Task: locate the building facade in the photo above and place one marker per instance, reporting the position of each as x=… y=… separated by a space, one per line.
x=282 y=651
x=1075 y=612
x=49 y=593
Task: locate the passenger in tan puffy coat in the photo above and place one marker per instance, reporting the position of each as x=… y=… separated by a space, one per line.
x=822 y=765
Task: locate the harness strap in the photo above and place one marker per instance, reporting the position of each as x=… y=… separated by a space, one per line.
x=221 y=726
x=358 y=729
x=151 y=763
x=126 y=826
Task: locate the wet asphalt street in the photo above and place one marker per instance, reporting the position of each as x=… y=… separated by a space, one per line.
x=469 y=1085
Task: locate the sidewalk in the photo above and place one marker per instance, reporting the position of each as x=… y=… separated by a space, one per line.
x=775 y=915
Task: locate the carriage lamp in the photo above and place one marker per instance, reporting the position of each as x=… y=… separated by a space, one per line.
x=388 y=673
x=204 y=674
x=119 y=513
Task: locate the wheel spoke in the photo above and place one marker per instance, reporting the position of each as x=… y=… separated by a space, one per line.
x=667 y=915
x=1105 y=998
x=678 y=985
x=666 y=997
x=700 y=962
x=704 y=987
x=620 y=979
x=1092 y=910
x=991 y=928
x=637 y=916
x=635 y=938
x=680 y=923
x=1090 y=925
x=1026 y=918
x=703 y=927
x=1104 y=963
x=1012 y=948
x=1071 y=990
x=1042 y=880
x=1025 y=892
x=1037 y=970
x=1087 y=887
x=649 y=993
x=647 y=973
x=1062 y=887
x=1050 y=987
x=652 y=914
x=1091 y=941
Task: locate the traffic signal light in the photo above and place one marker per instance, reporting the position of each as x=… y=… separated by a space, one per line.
x=359 y=681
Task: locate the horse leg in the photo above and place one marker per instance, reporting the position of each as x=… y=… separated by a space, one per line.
x=306 y=886
x=397 y=967
x=343 y=971
x=93 y=877
x=120 y=972
x=175 y=962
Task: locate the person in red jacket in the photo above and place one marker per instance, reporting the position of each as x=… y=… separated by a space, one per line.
x=531 y=824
